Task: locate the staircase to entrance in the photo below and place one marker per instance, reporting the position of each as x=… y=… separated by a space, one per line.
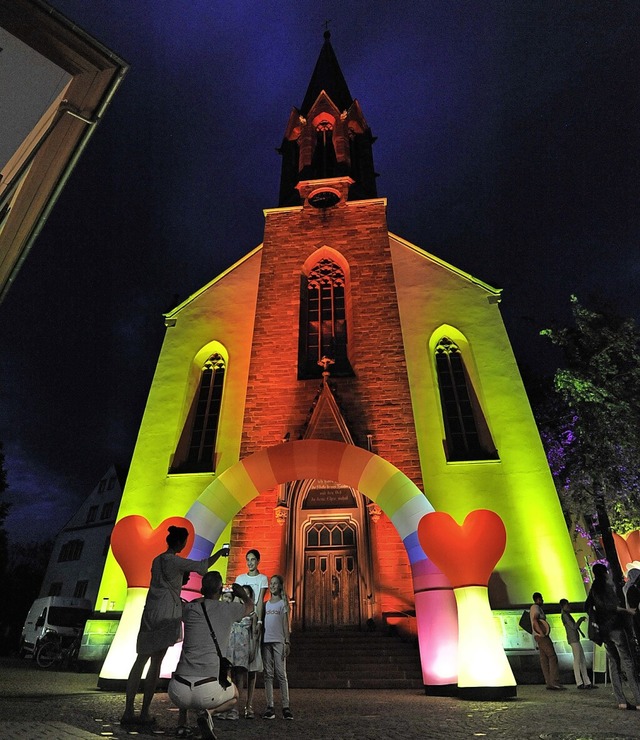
x=353 y=660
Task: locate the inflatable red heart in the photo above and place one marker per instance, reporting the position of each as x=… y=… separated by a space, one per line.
x=622 y=550
x=466 y=554
x=135 y=544
x=633 y=543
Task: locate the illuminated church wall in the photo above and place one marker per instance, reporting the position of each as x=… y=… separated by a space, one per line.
x=437 y=299
x=375 y=400
x=219 y=317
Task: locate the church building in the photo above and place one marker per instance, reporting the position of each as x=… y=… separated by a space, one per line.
x=335 y=329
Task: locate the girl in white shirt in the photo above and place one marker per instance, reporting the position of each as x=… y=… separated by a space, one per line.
x=259 y=584
x=275 y=647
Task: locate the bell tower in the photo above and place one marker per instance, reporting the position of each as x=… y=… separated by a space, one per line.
x=328 y=136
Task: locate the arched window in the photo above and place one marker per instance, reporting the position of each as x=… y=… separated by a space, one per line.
x=466 y=430
x=196 y=449
x=324 y=155
x=323 y=324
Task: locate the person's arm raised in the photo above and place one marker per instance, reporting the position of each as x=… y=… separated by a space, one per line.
x=244 y=597
x=215 y=556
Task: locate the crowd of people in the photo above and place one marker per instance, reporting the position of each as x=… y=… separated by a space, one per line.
x=613 y=622
x=230 y=635
x=235 y=630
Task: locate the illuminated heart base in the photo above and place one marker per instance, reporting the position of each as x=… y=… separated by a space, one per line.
x=467 y=555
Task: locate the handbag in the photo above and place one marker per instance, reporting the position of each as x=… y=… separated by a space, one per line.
x=593 y=631
x=525 y=621
x=225 y=664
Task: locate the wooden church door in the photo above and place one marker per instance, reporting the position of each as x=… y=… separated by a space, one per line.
x=331 y=592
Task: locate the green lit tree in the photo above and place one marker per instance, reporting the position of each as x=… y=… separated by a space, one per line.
x=593 y=441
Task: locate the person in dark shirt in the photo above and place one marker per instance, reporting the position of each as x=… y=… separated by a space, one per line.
x=603 y=605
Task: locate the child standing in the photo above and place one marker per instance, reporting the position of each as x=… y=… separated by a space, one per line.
x=275 y=647
x=259 y=584
x=244 y=653
x=572 y=629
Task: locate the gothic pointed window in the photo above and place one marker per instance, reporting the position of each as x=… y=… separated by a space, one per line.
x=466 y=431
x=323 y=324
x=196 y=449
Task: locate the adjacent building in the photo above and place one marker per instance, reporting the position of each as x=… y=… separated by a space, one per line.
x=81 y=547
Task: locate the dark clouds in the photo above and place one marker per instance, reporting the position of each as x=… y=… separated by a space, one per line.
x=507 y=145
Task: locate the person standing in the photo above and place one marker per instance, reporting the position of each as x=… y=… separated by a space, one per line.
x=548 y=657
x=259 y=585
x=572 y=628
x=196 y=681
x=275 y=647
x=244 y=654
x=161 y=623
x=603 y=605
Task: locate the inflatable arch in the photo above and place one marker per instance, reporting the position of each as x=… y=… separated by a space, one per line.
x=381 y=482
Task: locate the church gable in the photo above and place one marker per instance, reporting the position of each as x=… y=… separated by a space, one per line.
x=326 y=420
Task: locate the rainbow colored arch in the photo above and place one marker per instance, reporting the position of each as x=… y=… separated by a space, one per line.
x=380 y=481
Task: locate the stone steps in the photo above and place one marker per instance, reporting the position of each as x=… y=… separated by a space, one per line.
x=353 y=660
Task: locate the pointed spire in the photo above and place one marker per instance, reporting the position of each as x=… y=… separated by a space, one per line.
x=327 y=76
x=327 y=138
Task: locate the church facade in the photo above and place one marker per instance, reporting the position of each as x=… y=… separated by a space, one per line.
x=335 y=329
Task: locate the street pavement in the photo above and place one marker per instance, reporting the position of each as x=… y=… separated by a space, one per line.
x=62 y=705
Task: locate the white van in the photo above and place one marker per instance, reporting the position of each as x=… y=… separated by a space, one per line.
x=65 y=615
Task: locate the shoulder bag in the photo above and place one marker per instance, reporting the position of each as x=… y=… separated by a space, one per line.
x=225 y=664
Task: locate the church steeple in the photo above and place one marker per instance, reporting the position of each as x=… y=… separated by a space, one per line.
x=327 y=76
x=327 y=137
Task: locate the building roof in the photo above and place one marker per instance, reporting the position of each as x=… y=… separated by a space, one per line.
x=327 y=76
x=57 y=85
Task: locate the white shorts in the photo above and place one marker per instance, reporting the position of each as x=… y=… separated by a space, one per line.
x=198 y=693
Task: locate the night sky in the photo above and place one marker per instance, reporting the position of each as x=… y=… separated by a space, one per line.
x=508 y=144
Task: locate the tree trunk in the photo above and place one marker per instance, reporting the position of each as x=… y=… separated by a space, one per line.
x=610 y=548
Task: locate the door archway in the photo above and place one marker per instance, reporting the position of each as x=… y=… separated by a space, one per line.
x=377 y=479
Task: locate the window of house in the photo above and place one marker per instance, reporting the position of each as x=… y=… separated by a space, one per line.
x=102 y=485
x=196 y=450
x=323 y=323
x=112 y=482
x=81 y=589
x=71 y=550
x=55 y=589
x=467 y=435
x=107 y=510
x=92 y=514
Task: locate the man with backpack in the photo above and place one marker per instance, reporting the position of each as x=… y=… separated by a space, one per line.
x=548 y=657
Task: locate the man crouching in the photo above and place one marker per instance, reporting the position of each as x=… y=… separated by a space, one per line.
x=196 y=683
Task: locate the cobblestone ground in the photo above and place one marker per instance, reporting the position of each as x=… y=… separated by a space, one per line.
x=51 y=705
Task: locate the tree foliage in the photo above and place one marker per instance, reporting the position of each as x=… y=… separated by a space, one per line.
x=593 y=436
